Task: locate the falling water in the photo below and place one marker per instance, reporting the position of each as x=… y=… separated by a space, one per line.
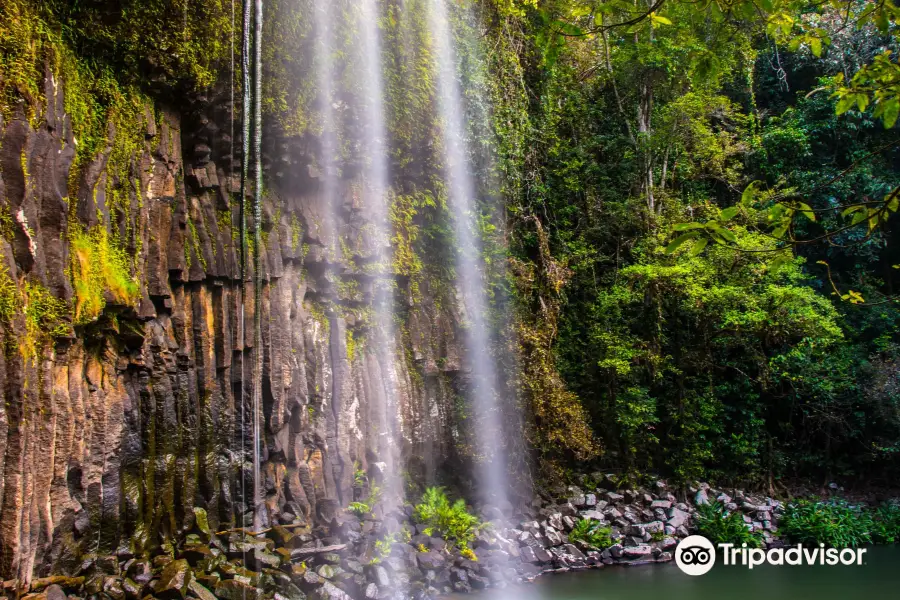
x=257 y=238
x=325 y=80
x=245 y=172
x=492 y=476
x=375 y=199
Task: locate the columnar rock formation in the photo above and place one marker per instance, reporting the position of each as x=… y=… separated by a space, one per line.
x=112 y=431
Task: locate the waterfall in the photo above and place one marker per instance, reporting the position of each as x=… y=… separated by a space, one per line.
x=375 y=199
x=462 y=200
x=329 y=200
x=245 y=172
x=258 y=266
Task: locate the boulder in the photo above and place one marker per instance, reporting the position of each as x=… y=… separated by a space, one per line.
x=430 y=560
x=641 y=551
x=200 y=591
x=174 y=580
x=677 y=517
x=329 y=591
x=232 y=589
x=593 y=515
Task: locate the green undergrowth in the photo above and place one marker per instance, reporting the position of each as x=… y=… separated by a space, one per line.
x=45 y=316
x=839 y=524
x=723 y=527
x=591 y=533
x=107 y=112
x=450 y=521
x=98 y=266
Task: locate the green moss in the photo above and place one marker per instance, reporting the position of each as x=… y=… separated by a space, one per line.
x=296 y=233
x=225 y=222
x=10 y=301
x=22 y=39
x=98 y=267
x=351 y=345
x=317 y=312
x=193 y=246
x=46 y=317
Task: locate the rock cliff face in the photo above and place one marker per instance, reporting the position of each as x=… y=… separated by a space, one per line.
x=113 y=428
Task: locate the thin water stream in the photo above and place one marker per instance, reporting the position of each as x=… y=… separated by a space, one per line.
x=462 y=200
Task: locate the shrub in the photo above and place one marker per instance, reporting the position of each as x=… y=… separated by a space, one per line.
x=452 y=521
x=836 y=524
x=886 y=524
x=719 y=526
x=591 y=533
x=364 y=507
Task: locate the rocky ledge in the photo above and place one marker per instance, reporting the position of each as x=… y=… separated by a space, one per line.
x=390 y=555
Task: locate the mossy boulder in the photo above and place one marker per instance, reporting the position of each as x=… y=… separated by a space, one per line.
x=174 y=580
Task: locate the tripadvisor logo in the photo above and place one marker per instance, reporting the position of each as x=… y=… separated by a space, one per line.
x=696 y=555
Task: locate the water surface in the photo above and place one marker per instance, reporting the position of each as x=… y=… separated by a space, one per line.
x=878 y=578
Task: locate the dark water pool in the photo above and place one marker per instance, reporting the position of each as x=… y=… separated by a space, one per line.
x=878 y=578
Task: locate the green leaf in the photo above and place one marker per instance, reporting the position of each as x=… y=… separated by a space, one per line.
x=680 y=240
x=699 y=245
x=659 y=20
x=851 y=209
x=859 y=217
x=750 y=193
x=727 y=234
x=687 y=226
x=815 y=44
x=862 y=102
x=728 y=214
x=890 y=112
x=807 y=211
x=845 y=103
x=780 y=231
x=779 y=261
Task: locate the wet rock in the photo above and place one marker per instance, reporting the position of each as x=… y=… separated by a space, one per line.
x=54 y=592
x=133 y=590
x=430 y=560
x=200 y=591
x=641 y=551
x=195 y=553
x=174 y=580
x=232 y=589
x=677 y=518
x=329 y=591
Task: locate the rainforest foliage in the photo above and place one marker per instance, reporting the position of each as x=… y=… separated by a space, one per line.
x=701 y=202
x=717 y=182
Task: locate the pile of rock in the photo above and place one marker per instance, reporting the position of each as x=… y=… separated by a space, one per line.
x=393 y=556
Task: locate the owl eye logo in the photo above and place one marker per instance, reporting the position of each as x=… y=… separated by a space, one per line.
x=695 y=555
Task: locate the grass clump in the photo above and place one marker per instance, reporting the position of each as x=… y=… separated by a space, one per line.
x=363 y=508
x=591 y=533
x=719 y=526
x=46 y=316
x=886 y=524
x=450 y=521
x=98 y=266
x=840 y=524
